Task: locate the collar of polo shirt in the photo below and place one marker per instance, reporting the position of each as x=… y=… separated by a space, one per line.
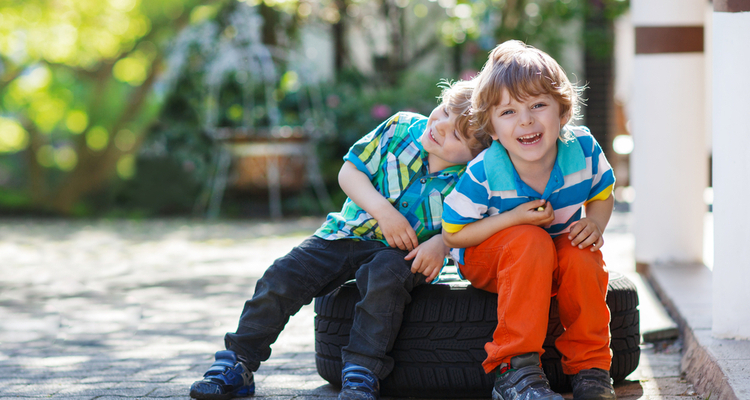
x=570 y=159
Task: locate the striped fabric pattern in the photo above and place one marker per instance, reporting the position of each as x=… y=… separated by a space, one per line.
x=393 y=158
x=491 y=185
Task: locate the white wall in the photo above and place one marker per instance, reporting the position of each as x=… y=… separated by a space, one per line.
x=708 y=52
x=668 y=12
x=669 y=164
x=624 y=59
x=731 y=146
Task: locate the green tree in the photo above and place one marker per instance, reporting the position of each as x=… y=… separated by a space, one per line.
x=76 y=88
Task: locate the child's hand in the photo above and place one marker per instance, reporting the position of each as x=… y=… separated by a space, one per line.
x=535 y=212
x=585 y=233
x=397 y=230
x=428 y=257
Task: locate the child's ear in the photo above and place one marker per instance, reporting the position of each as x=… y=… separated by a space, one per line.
x=564 y=119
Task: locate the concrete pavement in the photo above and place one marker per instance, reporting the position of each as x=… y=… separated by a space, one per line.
x=131 y=310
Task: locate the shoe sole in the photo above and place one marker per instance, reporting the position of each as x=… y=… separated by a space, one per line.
x=498 y=396
x=214 y=396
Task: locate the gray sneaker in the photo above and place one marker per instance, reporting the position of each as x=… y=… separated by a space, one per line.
x=524 y=381
x=593 y=384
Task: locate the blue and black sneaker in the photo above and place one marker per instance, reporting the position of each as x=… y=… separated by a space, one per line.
x=593 y=384
x=225 y=379
x=524 y=380
x=358 y=383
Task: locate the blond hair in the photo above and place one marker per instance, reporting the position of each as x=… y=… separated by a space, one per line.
x=524 y=71
x=456 y=96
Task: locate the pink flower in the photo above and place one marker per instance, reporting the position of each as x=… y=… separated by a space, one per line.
x=333 y=101
x=188 y=166
x=380 y=111
x=468 y=74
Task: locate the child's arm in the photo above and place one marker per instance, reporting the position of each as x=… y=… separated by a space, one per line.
x=588 y=231
x=396 y=229
x=477 y=232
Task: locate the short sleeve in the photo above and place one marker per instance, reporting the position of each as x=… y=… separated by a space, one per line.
x=469 y=200
x=603 y=178
x=367 y=153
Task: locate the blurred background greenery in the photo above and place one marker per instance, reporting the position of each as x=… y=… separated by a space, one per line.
x=131 y=108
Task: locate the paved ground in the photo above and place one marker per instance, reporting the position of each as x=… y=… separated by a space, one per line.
x=130 y=310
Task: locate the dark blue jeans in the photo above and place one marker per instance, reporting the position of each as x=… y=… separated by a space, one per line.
x=315 y=268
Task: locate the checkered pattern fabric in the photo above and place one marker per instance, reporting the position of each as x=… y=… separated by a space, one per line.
x=393 y=158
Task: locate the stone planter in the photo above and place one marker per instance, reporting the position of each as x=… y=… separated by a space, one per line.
x=272 y=159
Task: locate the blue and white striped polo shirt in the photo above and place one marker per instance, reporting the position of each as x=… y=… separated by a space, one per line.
x=491 y=185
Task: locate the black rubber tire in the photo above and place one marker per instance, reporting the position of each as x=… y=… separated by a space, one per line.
x=440 y=347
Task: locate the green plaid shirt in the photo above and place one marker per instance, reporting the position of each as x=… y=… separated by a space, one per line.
x=393 y=157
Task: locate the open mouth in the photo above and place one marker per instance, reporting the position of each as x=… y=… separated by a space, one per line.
x=530 y=139
x=432 y=137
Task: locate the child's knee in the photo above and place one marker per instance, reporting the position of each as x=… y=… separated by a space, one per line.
x=531 y=246
x=528 y=231
x=387 y=265
x=535 y=239
x=525 y=234
x=583 y=262
x=584 y=258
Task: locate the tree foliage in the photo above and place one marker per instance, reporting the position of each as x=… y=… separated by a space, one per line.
x=76 y=87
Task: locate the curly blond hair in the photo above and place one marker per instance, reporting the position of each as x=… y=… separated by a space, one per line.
x=456 y=96
x=524 y=71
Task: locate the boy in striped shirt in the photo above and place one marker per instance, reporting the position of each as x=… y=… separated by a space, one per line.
x=516 y=226
x=386 y=236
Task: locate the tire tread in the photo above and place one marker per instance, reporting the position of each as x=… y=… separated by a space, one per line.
x=440 y=347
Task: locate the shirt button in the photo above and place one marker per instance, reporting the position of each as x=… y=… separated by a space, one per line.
x=423 y=180
x=405 y=204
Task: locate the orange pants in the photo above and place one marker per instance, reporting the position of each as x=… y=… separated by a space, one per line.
x=525 y=266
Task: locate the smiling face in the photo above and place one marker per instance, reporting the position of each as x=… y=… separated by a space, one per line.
x=523 y=71
x=446 y=147
x=528 y=128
